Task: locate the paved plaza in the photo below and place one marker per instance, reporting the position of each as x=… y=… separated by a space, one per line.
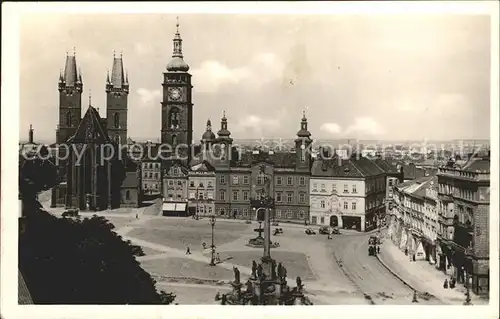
x=336 y=271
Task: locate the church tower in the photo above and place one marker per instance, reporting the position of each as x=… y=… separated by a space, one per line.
x=117 y=90
x=70 y=100
x=302 y=146
x=177 y=106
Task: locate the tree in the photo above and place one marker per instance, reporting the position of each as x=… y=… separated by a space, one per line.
x=82 y=261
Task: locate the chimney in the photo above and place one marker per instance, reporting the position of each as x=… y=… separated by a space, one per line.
x=31 y=134
x=401 y=174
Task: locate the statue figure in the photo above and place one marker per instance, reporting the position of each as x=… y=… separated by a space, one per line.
x=284 y=272
x=280 y=271
x=254 y=268
x=273 y=269
x=223 y=299
x=299 y=283
x=236 y=275
x=249 y=286
x=260 y=272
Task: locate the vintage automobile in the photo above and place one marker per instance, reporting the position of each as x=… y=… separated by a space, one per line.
x=309 y=231
x=278 y=231
x=275 y=224
x=335 y=231
x=70 y=213
x=324 y=230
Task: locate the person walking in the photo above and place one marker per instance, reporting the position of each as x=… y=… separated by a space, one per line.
x=188 y=251
x=217 y=258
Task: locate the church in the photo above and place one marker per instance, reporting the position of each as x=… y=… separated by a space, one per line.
x=94 y=172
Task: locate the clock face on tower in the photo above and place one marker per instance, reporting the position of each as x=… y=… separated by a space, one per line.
x=174 y=93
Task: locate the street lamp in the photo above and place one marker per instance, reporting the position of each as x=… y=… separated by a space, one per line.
x=197 y=199
x=212 y=223
x=467 y=293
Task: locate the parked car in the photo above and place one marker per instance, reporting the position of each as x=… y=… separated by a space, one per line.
x=336 y=231
x=278 y=231
x=70 y=213
x=309 y=231
x=324 y=230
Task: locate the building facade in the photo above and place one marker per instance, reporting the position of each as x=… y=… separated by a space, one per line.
x=463 y=249
x=348 y=193
x=414 y=225
x=201 y=189
x=90 y=177
x=151 y=170
x=238 y=178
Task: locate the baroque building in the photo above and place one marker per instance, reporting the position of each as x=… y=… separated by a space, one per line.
x=346 y=192
x=238 y=177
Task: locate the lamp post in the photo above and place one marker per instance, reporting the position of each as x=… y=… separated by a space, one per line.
x=467 y=292
x=212 y=258
x=197 y=199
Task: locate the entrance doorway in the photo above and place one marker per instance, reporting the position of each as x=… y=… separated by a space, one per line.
x=351 y=222
x=334 y=221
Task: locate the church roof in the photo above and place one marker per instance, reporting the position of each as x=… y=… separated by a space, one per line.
x=130 y=180
x=118 y=78
x=90 y=128
x=71 y=76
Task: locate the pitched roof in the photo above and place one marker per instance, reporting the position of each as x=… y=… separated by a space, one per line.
x=352 y=167
x=90 y=127
x=386 y=166
x=478 y=165
x=204 y=166
x=130 y=180
x=417 y=187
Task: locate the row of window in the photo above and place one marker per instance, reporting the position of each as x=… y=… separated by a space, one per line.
x=235 y=180
x=151 y=166
x=200 y=184
x=201 y=195
x=322 y=204
x=151 y=175
x=201 y=209
x=151 y=186
x=457 y=192
x=245 y=212
x=334 y=188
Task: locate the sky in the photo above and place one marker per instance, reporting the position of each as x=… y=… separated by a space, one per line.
x=375 y=77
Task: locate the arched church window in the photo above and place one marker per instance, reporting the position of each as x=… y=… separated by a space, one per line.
x=174 y=140
x=174 y=118
x=127 y=195
x=117 y=139
x=68 y=119
x=116 y=120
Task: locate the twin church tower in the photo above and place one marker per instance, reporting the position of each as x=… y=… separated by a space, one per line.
x=176 y=106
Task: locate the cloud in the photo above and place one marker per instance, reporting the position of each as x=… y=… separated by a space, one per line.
x=365 y=126
x=330 y=128
x=212 y=74
x=143 y=48
x=148 y=96
x=256 y=125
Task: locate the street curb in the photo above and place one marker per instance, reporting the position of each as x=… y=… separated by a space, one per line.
x=404 y=281
x=394 y=273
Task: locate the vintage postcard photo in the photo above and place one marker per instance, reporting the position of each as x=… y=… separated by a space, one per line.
x=175 y=156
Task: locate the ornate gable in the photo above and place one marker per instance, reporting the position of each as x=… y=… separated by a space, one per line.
x=90 y=129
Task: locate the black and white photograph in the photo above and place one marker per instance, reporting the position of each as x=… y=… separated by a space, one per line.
x=251 y=154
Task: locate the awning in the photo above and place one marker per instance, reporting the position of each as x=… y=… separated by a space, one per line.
x=168 y=207
x=180 y=207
